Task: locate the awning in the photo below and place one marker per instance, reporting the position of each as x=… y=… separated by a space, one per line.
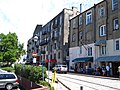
x=100 y=42
x=108 y=58
x=84 y=59
x=52 y=60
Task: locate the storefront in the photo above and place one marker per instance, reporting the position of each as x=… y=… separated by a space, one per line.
x=112 y=61
x=83 y=65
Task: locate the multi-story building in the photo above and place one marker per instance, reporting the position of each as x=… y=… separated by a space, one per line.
x=57 y=37
x=53 y=37
x=95 y=32
x=33 y=46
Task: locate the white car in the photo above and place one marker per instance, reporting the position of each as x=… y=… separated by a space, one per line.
x=61 y=68
x=8 y=80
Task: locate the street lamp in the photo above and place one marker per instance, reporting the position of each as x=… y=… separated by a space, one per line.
x=35 y=40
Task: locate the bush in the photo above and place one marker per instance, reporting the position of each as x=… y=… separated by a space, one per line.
x=9 y=69
x=33 y=73
x=44 y=83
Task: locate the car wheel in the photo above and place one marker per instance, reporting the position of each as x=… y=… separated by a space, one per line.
x=9 y=86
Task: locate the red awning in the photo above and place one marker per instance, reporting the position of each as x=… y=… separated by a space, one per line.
x=52 y=60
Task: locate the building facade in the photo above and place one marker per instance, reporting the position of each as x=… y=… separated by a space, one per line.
x=53 y=38
x=96 y=33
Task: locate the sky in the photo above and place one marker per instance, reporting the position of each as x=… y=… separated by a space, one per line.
x=22 y=16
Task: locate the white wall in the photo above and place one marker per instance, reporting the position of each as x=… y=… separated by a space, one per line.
x=111 y=48
x=74 y=52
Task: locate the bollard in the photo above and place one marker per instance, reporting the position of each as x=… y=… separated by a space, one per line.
x=81 y=87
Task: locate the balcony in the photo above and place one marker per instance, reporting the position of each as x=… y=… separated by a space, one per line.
x=44 y=42
x=44 y=32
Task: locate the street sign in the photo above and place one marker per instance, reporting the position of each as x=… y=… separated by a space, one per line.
x=34 y=60
x=34 y=54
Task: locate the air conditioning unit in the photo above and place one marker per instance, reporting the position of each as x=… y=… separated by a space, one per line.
x=116 y=26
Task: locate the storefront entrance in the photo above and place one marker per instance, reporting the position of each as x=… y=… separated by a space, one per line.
x=115 y=68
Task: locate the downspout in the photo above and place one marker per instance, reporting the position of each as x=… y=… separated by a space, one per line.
x=95 y=34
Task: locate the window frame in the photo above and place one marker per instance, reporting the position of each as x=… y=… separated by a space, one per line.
x=117 y=45
x=80 y=35
x=80 y=20
x=73 y=37
x=89 y=17
x=102 y=32
x=100 y=12
x=89 y=51
x=114 y=4
x=103 y=50
x=114 y=23
x=80 y=49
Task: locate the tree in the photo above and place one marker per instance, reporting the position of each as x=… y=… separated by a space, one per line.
x=10 y=49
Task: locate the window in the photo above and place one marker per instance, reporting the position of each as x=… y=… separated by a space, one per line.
x=80 y=20
x=80 y=50
x=73 y=37
x=60 y=31
x=90 y=51
x=61 y=20
x=74 y=22
x=114 y=4
x=51 y=25
x=102 y=11
x=88 y=17
x=116 y=24
x=54 y=56
x=58 y=55
x=117 y=45
x=102 y=30
x=103 y=50
x=55 y=46
x=46 y=56
x=56 y=21
x=80 y=35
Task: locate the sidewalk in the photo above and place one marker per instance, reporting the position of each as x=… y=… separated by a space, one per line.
x=57 y=86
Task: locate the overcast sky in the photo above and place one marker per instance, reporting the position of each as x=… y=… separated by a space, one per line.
x=22 y=16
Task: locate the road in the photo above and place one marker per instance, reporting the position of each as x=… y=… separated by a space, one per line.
x=78 y=81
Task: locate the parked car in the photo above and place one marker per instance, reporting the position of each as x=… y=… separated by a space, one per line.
x=8 y=80
x=61 y=68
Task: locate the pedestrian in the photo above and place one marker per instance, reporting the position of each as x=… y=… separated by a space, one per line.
x=103 y=71
x=107 y=70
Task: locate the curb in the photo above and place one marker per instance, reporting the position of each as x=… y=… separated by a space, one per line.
x=95 y=76
x=63 y=84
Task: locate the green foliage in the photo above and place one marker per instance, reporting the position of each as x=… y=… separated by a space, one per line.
x=10 y=49
x=44 y=83
x=33 y=73
x=9 y=69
